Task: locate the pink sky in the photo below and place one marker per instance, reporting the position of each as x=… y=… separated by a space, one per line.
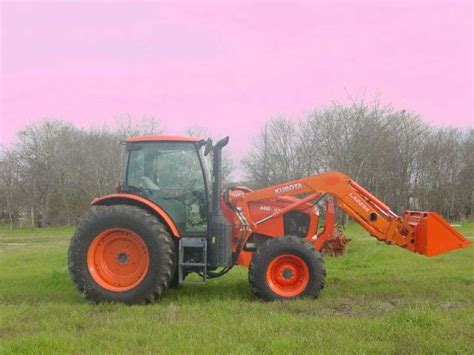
x=230 y=66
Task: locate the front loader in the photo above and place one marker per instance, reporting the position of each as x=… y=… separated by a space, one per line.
x=171 y=218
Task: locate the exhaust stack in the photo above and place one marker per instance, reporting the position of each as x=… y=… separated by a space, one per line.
x=219 y=246
x=217 y=173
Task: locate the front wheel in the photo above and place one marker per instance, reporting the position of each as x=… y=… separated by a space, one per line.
x=121 y=254
x=286 y=268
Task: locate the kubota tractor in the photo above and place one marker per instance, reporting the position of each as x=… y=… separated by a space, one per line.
x=169 y=218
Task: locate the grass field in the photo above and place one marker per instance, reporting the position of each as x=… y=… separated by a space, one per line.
x=377 y=299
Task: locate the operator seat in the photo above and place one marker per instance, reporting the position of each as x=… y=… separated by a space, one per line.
x=148 y=183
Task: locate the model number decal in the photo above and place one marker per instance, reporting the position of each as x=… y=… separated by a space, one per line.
x=359 y=202
x=288 y=188
x=269 y=208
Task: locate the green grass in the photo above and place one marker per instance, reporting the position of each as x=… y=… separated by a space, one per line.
x=377 y=299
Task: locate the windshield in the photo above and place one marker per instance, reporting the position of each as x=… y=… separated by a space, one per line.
x=170 y=174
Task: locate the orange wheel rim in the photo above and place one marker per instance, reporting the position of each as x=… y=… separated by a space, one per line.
x=118 y=259
x=287 y=275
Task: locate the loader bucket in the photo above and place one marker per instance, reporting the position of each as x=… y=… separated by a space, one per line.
x=433 y=234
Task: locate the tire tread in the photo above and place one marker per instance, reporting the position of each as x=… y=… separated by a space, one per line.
x=162 y=240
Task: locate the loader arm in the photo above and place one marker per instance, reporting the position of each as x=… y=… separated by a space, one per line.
x=425 y=233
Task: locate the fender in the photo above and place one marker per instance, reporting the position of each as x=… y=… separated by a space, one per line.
x=140 y=201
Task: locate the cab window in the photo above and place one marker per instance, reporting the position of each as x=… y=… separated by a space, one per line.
x=170 y=174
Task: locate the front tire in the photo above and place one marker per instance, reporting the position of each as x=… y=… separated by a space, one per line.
x=286 y=268
x=121 y=254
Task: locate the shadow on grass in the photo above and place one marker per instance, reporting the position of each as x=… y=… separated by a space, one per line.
x=213 y=290
x=56 y=287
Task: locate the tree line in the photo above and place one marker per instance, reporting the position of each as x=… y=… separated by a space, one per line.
x=55 y=169
x=397 y=156
x=52 y=173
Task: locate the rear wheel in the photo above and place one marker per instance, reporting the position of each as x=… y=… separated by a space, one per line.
x=286 y=268
x=121 y=254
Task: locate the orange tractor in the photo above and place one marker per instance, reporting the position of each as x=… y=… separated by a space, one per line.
x=170 y=218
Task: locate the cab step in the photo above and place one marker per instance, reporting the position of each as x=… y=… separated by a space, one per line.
x=192 y=258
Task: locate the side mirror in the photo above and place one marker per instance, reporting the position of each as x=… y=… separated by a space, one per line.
x=208 y=147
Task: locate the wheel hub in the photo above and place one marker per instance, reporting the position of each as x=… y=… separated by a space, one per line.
x=122 y=258
x=287 y=275
x=118 y=259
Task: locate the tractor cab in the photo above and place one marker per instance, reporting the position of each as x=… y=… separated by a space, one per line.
x=174 y=173
x=183 y=178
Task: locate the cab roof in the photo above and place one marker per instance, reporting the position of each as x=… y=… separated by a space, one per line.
x=163 y=139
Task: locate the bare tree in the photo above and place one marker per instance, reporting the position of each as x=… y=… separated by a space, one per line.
x=397 y=156
x=277 y=154
x=128 y=125
x=227 y=163
x=9 y=194
x=52 y=173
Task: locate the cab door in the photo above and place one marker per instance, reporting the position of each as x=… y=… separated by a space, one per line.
x=171 y=175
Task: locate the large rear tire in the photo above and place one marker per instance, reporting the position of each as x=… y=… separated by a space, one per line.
x=286 y=268
x=122 y=254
